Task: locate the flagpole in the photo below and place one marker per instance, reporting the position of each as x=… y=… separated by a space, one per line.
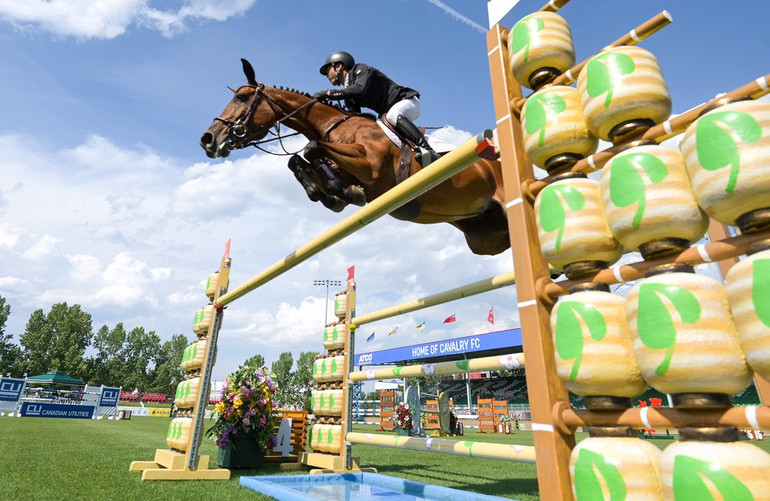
x=326 y=283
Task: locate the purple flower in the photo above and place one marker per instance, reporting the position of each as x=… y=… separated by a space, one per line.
x=246 y=421
x=272 y=441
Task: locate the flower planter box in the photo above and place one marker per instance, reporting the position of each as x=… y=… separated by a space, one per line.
x=241 y=451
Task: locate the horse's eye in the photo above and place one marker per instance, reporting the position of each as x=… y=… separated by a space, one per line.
x=242 y=98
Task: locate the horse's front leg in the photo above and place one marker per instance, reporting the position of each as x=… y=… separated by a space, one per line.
x=319 y=159
x=302 y=171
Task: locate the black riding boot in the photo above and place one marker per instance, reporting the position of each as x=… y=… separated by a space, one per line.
x=424 y=153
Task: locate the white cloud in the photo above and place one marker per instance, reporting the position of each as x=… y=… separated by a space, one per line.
x=9 y=235
x=41 y=248
x=106 y=19
x=84 y=266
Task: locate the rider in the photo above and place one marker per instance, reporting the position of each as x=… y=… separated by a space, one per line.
x=368 y=87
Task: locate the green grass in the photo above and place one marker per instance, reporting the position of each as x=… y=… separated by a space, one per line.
x=55 y=459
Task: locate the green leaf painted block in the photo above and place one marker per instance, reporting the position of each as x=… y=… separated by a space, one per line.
x=716 y=141
x=397 y=371
x=537 y=111
x=603 y=74
x=591 y=471
x=463 y=365
x=331 y=401
x=760 y=293
x=655 y=323
x=696 y=479
x=522 y=34
x=553 y=216
x=335 y=334
x=469 y=445
x=329 y=437
x=627 y=181
x=572 y=319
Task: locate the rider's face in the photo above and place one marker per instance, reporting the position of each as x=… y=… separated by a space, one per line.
x=335 y=75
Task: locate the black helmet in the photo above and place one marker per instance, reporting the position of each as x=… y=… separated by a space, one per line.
x=338 y=57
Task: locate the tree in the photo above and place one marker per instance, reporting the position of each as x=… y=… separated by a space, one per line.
x=168 y=372
x=140 y=354
x=256 y=361
x=57 y=340
x=303 y=378
x=10 y=353
x=281 y=368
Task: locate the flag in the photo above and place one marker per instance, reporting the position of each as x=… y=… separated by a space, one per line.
x=391 y=333
x=491 y=316
x=351 y=273
x=420 y=327
x=227 y=248
x=371 y=336
x=450 y=319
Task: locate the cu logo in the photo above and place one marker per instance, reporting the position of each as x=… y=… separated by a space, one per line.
x=34 y=409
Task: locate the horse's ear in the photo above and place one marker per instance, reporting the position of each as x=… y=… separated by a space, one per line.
x=249 y=72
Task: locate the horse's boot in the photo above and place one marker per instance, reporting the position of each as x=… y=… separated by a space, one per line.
x=423 y=153
x=301 y=170
x=332 y=185
x=355 y=195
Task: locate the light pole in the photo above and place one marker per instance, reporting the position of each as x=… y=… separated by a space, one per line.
x=327 y=283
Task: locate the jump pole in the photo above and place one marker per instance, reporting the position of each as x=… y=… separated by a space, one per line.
x=501 y=362
x=519 y=453
x=414 y=186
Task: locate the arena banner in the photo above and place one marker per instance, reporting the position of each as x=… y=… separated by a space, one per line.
x=510 y=338
x=36 y=409
x=11 y=389
x=109 y=397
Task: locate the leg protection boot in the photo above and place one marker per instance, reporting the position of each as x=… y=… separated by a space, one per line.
x=301 y=170
x=424 y=154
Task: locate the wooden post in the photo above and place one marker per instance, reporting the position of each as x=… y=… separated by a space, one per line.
x=546 y=390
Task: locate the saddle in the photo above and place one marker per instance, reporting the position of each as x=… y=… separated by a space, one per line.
x=404 y=169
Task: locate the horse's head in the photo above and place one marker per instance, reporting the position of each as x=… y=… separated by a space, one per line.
x=246 y=118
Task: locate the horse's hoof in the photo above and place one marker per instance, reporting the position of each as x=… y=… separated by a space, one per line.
x=334 y=204
x=355 y=195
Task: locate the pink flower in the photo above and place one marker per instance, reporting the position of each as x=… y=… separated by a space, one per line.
x=262 y=421
x=246 y=421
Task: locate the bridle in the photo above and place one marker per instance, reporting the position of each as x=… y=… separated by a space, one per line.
x=236 y=131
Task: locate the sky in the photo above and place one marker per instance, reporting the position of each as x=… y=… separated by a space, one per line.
x=107 y=201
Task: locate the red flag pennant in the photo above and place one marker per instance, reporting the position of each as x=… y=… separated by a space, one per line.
x=450 y=319
x=351 y=273
x=491 y=316
x=227 y=248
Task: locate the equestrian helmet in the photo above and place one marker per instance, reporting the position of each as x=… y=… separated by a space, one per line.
x=338 y=57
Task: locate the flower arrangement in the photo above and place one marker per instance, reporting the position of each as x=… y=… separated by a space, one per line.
x=246 y=408
x=403 y=416
x=505 y=419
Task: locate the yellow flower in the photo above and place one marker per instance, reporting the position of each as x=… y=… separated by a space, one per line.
x=220 y=408
x=238 y=402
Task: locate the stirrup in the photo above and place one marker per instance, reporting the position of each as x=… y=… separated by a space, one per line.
x=425 y=156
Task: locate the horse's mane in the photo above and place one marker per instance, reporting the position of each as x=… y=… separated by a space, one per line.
x=328 y=103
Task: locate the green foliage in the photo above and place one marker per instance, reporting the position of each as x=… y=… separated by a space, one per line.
x=627 y=183
x=655 y=322
x=536 y=115
x=760 y=294
x=716 y=139
x=694 y=478
x=571 y=321
x=281 y=371
x=10 y=353
x=522 y=34
x=589 y=467
x=553 y=216
x=57 y=340
x=602 y=71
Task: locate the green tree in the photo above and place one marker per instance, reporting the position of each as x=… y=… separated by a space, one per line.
x=303 y=378
x=256 y=361
x=281 y=368
x=140 y=354
x=57 y=340
x=167 y=371
x=10 y=353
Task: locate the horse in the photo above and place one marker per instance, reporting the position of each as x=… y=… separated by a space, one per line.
x=354 y=152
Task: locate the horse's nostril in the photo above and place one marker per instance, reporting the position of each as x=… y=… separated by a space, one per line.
x=206 y=139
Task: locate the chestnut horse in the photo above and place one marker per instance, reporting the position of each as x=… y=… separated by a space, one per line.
x=360 y=154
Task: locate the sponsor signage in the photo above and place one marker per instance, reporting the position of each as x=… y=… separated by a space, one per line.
x=159 y=412
x=10 y=389
x=109 y=397
x=510 y=338
x=34 y=409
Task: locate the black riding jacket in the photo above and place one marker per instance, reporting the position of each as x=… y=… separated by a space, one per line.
x=370 y=88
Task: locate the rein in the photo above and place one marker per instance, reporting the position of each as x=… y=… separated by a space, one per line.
x=236 y=131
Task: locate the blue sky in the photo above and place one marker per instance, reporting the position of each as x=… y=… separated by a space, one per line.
x=107 y=200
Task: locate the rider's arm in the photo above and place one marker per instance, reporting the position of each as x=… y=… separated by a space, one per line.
x=362 y=79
